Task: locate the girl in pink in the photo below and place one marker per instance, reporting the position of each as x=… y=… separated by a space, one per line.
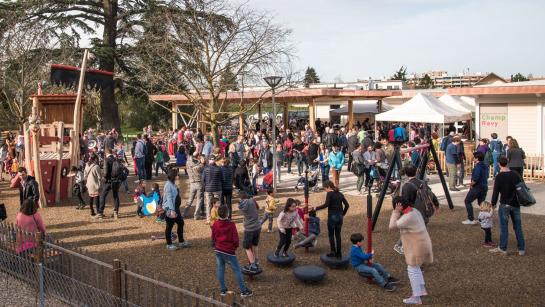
x=28 y=220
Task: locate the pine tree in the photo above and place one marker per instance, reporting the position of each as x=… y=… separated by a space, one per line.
x=401 y=74
x=310 y=77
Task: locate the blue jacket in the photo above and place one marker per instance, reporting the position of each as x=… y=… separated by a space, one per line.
x=314 y=225
x=227 y=178
x=212 y=178
x=140 y=149
x=181 y=159
x=358 y=257
x=336 y=160
x=451 y=154
x=480 y=175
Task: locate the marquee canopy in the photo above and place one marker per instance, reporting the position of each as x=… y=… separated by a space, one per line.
x=457 y=103
x=423 y=108
x=362 y=107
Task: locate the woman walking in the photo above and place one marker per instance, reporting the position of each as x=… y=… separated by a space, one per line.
x=416 y=245
x=92 y=176
x=323 y=157
x=171 y=205
x=515 y=158
x=337 y=206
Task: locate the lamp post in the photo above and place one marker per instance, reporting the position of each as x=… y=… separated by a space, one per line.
x=273 y=82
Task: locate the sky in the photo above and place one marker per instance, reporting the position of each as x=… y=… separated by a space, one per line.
x=355 y=39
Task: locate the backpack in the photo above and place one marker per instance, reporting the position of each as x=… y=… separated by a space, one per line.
x=399 y=134
x=444 y=143
x=117 y=171
x=425 y=200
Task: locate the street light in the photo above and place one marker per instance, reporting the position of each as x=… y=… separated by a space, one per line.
x=273 y=82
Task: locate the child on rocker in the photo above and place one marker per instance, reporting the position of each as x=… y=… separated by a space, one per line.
x=313 y=230
x=225 y=237
x=139 y=190
x=359 y=261
x=252 y=230
x=270 y=209
x=159 y=212
x=485 y=218
x=287 y=220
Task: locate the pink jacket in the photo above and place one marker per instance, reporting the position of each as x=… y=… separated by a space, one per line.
x=30 y=224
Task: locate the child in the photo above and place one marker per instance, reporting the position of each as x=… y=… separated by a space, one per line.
x=225 y=236
x=79 y=186
x=159 y=211
x=485 y=218
x=313 y=231
x=287 y=220
x=313 y=175
x=214 y=211
x=139 y=190
x=270 y=209
x=360 y=260
x=252 y=230
x=255 y=174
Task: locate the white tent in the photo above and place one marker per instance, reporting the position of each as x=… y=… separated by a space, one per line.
x=423 y=108
x=362 y=107
x=457 y=103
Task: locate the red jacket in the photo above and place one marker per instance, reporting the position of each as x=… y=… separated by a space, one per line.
x=225 y=236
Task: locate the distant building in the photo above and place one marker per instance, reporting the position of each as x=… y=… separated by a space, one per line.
x=371 y=84
x=441 y=79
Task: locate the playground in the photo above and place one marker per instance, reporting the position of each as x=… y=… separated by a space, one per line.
x=464 y=273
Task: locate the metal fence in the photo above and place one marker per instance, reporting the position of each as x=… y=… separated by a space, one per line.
x=77 y=279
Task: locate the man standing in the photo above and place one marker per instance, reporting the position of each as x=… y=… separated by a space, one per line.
x=140 y=155
x=452 y=158
x=28 y=186
x=336 y=161
x=112 y=175
x=461 y=164
x=478 y=187
x=212 y=182
x=151 y=151
x=266 y=157
x=195 y=167
x=352 y=145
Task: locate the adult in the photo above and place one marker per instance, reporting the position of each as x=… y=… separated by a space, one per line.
x=171 y=205
x=417 y=245
x=112 y=173
x=151 y=150
x=28 y=186
x=323 y=158
x=28 y=220
x=336 y=161
x=452 y=158
x=226 y=185
x=195 y=167
x=369 y=160
x=212 y=183
x=337 y=206
x=241 y=179
x=496 y=148
x=288 y=150
x=266 y=158
x=505 y=192
x=110 y=141
x=140 y=155
x=300 y=157
x=358 y=167
x=92 y=176
x=515 y=157
x=461 y=163
x=208 y=147
x=313 y=151
x=352 y=145
x=478 y=187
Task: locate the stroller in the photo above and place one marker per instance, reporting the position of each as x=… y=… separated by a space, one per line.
x=313 y=175
x=380 y=177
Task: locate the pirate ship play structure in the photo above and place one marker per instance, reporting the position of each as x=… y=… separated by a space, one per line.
x=54 y=128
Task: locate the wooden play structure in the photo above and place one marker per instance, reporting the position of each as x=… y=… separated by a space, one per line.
x=52 y=144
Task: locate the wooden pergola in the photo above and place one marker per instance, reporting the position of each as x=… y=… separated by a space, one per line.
x=312 y=96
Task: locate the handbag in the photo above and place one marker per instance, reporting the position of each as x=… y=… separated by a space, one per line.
x=524 y=196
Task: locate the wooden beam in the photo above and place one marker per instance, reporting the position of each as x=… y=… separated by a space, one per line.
x=350 y=113
x=60 y=132
x=35 y=131
x=241 y=123
x=312 y=114
x=27 y=153
x=285 y=115
x=174 y=116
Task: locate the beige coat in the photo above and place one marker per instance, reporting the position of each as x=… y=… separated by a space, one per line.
x=414 y=235
x=92 y=176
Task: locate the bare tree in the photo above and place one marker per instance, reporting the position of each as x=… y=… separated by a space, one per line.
x=194 y=48
x=25 y=55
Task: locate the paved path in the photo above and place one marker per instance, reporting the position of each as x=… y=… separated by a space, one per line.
x=348 y=186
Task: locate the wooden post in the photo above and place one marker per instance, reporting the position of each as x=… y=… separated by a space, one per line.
x=60 y=132
x=241 y=123
x=71 y=150
x=350 y=114
x=174 y=116
x=285 y=115
x=259 y=114
x=312 y=114
x=39 y=239
x=35 y=130
x=26 y=134
x=116 y=278
x=74 y=155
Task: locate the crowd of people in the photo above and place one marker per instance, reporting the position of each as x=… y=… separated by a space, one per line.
x=218 y=170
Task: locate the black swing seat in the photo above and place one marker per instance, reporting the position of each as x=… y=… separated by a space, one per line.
x=281 y=261
x=309 y=273
x=334 y=262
